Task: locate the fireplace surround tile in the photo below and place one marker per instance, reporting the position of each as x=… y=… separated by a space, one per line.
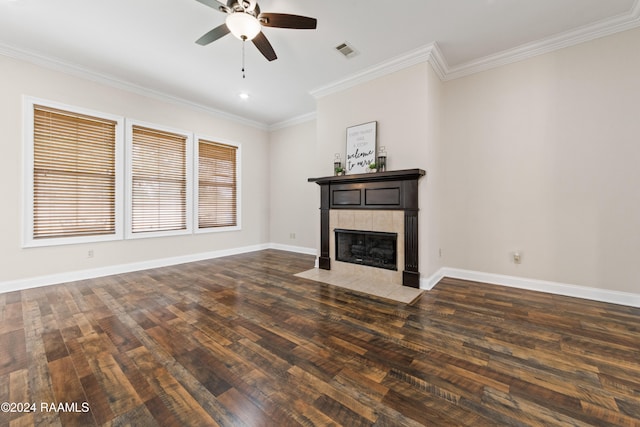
x=383 y=221
x=347 y=219
x=386 y=221
x=363 y=220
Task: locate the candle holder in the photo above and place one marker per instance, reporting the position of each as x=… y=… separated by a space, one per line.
x=337 y=165
x=382 y=160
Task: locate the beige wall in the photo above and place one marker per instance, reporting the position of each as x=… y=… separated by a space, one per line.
x=542 y=156
x=21 y=78
x=294 y=201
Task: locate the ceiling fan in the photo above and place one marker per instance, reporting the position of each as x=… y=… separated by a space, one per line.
x=245 y=21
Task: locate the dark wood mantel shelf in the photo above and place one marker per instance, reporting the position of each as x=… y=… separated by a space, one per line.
x=392 y=190
x=371 y=177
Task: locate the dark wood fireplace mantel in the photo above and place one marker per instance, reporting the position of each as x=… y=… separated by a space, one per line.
x=405 y=174
x=392 y=190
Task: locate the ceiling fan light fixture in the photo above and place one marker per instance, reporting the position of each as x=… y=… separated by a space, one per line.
x=243 y=25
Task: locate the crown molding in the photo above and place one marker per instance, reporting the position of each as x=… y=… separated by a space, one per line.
x=437 y=60
x=92 y=75
x=573 y=37
x=428 y=53
x=303 y=118
x=432 y=54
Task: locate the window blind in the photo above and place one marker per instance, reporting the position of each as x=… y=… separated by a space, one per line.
x=158 y=164
x=74 y=179
x=217 y=186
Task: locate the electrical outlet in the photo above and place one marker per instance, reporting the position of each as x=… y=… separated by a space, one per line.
x=90 y=253
x=517 y=257
x=292 y=236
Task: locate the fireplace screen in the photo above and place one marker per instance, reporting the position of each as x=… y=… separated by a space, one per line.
x=372 y=248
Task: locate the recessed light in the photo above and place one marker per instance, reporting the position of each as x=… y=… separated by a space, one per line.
x=244 y=95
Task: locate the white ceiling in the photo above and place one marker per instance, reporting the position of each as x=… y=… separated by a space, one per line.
x=149 y=45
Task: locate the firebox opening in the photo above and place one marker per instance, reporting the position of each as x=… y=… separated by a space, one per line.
x=372 y=248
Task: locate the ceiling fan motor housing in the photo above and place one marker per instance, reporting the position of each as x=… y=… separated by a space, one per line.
x=246 y=6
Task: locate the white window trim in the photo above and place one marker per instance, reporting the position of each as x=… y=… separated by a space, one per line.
x=196 y=197
x=129 y=180
x=28 y=241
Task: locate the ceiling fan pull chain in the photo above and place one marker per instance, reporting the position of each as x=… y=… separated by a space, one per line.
x=244 y=40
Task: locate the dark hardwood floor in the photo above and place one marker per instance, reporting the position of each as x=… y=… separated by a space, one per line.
x=241 y=341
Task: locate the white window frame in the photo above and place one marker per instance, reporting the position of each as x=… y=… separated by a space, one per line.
x=28 y=103
x=129 y=234
x=196 y=196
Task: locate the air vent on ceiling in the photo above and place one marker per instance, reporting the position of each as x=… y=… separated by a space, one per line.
x=347 y=50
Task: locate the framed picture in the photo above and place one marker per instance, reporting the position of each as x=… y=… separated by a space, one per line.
x=361 y=147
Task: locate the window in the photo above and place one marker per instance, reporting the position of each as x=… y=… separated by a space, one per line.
x=72 y=174
x=217 y=185
x=159 y=183
x=82 y=186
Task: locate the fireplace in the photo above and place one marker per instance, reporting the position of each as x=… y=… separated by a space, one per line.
x=371 y=248
x=375 y=202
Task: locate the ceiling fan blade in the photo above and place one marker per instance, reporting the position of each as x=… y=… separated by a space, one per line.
x=263 y=45
x=283 y=20
x=213 y=35
x=212 y=3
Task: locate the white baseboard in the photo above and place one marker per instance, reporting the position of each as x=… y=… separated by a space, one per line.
x=296 y=249
x=429 y=282
x=73 y=276
x=596 y=294
x=604 y=295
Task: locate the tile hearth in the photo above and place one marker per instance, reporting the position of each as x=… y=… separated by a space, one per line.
x=357 y=282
